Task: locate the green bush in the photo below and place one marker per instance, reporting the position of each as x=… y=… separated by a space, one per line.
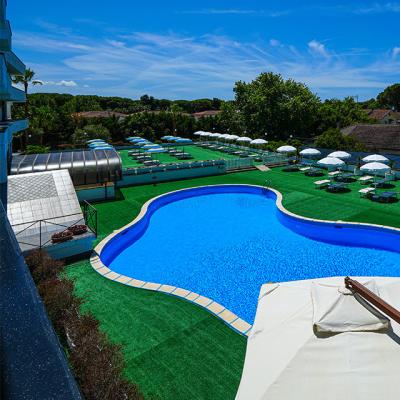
x=36 y=149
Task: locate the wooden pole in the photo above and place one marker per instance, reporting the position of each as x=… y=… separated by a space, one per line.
x=380 y=304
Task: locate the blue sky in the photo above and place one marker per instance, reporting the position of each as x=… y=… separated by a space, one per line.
x=182 y=49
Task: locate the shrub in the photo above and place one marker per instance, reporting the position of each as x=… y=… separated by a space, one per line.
x=42 y=266
x=36 y=149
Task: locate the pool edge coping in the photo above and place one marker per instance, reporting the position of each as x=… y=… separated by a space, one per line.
x=228 y=317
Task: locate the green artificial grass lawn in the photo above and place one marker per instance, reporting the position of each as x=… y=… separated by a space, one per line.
x=198 y=154
x=174 y=349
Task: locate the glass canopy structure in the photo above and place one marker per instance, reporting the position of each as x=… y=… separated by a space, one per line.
x=86 y=167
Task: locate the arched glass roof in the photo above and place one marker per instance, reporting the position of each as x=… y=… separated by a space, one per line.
x=86 y=167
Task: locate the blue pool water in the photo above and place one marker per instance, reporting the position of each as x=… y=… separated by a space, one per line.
x=226 y=245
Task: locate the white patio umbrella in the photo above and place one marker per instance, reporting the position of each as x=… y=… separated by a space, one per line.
x=205 y=134
x=258 y=141
x=198 y=133
x=375 y=158
x=233 y=137
x=244 y=139
x=340 y=154
x=310 y=153
x=375 y=167
x=286 y=149
x=315 y=340
x=331 y=162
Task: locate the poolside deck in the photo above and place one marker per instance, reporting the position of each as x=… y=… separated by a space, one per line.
x=174 y=349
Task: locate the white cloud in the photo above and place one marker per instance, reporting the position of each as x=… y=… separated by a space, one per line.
x=379 y=8
x=60 y=83
x=318 y=48
x=396 y=52
x=174 y=66
x=275 y=43
x=238 y=11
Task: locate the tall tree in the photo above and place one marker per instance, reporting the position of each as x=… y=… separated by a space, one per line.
x=390 y=97
x=26 y=79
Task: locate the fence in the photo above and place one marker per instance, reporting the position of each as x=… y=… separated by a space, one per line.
x=38 y=234
x=238 y=163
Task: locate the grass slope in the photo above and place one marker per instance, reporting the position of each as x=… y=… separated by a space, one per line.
x=174 y=349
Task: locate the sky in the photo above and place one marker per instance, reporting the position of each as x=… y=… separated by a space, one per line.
x=196 y=49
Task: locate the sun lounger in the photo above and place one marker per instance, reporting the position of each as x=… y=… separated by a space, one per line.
x=334 y=173
x=304 y=169
x=366 y=179
x=322 y=184
x=366 y=192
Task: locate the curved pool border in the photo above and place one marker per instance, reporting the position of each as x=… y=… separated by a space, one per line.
x=232 y=320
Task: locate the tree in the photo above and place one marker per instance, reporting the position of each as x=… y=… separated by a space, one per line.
x=26 y=79
x=390 y=97
x=336 y=113
x=335 y=140
x=275 y=105
x=81 y=135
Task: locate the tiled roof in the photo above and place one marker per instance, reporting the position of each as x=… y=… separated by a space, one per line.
x=383 y=137
x=207 y=113
x=378 y=114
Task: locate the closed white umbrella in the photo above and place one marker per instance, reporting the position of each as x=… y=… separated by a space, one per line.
x=375 y=167
x=244 y=139
x=375 y=158
x=340 y=154
x=331 y=162
x=310 y=153
x=286 y=149
x=355 y=354
x=258 y=141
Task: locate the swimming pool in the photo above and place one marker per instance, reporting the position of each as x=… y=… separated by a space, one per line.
x=225 y=241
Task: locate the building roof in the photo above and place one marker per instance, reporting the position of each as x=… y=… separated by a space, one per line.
x=376 y=137
x=207 y=113
x=99 y=114
x=86 y=167
x=378 y=114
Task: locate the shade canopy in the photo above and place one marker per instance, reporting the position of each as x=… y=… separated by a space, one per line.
x=375 y=167
x=315 y=340
x=286 y=149
x=343 y=155
x=94 y=141
x=233 y=137
x=331 y=162
x=375 y=158
x=150 y=145
x=198 y=133
x=183 y=140
x=156 y=150
x=138 y=140
x=205 y=134
x=244 y=139
x=168 y=137
x=310 y=152
x=258 y=141
x=133 y=137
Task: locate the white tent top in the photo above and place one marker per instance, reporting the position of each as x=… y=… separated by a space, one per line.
x=258 y=141
x=311 y=339
x=215 y=135
x=340 y=154
x=198 y=133
x=286 y=149
x=375 y=157
x=331 y=161
x=225 y=136
x=232 y=137
x=375 y=167
x=244 y=139
x=205 y=134
x=310 y=152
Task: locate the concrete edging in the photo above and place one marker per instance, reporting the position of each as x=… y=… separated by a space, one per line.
x=232 y=320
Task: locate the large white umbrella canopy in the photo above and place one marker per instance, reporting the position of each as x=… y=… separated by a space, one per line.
x=286 y=149
x=375 y=158
x=258 y=141
x=375 y=167
x=353 y=355
x=340 y=154
x=198 y=133
x=331 y=162
x=244 y=139
x=310 y=153
x=205 y=134
x=233 y=137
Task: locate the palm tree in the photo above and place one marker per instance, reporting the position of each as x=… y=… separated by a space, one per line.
x=26 y=80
